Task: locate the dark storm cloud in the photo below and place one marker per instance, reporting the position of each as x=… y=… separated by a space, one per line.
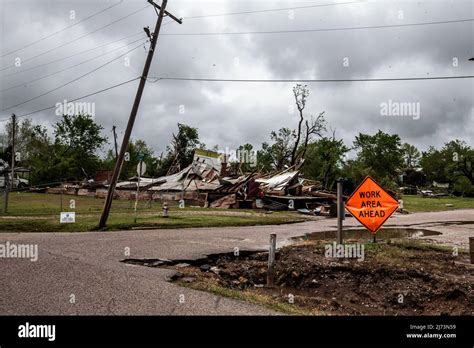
x=230 y=114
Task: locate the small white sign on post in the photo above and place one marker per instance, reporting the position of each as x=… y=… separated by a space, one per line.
x=67 y=217
x=141 y=168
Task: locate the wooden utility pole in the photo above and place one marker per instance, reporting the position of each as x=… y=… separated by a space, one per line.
x=115 y=141
x=7 y=188
x=10 y=185
x=13 y=150
x=133 y=113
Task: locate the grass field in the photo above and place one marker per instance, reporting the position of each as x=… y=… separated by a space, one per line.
x=414 y=203
x=37 y=212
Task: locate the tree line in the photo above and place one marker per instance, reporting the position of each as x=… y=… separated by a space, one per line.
x=72 y=153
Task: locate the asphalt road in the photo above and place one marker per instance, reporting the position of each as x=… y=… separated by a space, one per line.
x=87 y=266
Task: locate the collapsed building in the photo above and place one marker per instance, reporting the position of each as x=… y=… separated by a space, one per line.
x=205 y=183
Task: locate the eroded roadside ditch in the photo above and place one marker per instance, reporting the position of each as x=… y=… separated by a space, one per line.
x=397 y=276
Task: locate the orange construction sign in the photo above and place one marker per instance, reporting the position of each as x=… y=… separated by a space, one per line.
x=371 y=204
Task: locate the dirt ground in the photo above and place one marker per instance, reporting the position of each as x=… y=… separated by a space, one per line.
x=395 y=278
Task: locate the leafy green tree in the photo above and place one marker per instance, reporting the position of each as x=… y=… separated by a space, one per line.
x=278 y=155
x=414 y=177
x=181 y=150
x=23 y=133
x=379 y=155
x=355 y=170
x=135 y=149
x=462 y=159
x=245 y=161
x=455 y=159
x=435 y=165
x=264 y=158
x=37 y=152
x=42 y=156
x=411 y=156
x=324 y=159
x=78 y=137
x=463 y=186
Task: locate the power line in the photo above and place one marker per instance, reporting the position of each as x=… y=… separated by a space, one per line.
x=70 y=56
x=156 y=79
x=73 y=66
x=76 y=99
x=189 y=17
x=71 y=81
x=81 y=37
x=322 y=29
x=274 y=9
x=61 y=30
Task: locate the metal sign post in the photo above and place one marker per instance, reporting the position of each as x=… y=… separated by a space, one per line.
x=340 y=211
x=141 y=168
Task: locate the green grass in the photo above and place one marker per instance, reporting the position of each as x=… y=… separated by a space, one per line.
x=249 y=296
x=37 y=204
x=414 y=203
x=38 y=212
x=400 y=249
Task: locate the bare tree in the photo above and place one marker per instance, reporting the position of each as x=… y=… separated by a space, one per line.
x=300 y=93
x=313 y=127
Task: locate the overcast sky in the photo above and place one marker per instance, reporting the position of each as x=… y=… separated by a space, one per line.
x=228 y=114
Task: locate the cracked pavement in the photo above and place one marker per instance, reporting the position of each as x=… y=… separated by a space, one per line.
x=86 y=265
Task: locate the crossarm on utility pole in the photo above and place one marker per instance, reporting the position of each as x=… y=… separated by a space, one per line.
x=179 y=20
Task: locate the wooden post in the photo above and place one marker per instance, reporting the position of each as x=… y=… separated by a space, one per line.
x=271 y=261
x=340 y=211
x=471 y=248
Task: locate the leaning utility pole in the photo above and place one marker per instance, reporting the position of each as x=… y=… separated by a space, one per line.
x=13 y=150
x=115 y=141
x=133 y=113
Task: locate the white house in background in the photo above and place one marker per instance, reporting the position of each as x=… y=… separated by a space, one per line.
x=18 y=183
x=441 y=185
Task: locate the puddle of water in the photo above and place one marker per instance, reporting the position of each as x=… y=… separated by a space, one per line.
x=354 y=234
x=363 y=234
x=449 y=223
x=209 y=259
